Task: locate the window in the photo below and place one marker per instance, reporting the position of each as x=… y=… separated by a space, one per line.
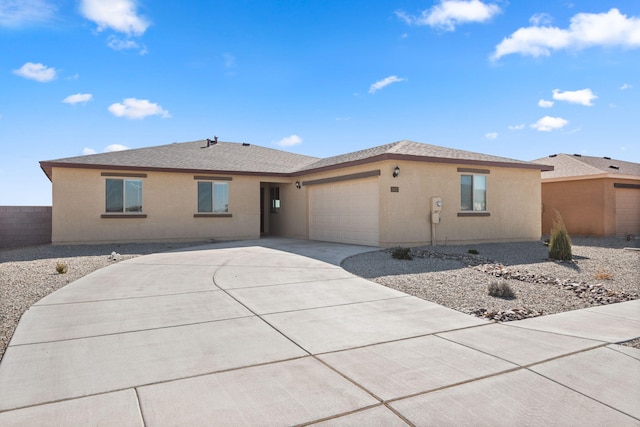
x=123 y=195
x=473 y=193
x=275 y=199
x=213 y=197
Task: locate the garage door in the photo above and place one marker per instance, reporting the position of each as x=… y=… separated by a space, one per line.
x=627 y=211
x=345 y=212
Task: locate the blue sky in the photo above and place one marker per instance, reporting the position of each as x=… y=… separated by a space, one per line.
x=520 y=79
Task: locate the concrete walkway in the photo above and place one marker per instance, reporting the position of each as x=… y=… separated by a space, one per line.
x=274 y=332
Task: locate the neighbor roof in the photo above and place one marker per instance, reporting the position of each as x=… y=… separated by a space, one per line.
x=231 y=157
x=576 y=165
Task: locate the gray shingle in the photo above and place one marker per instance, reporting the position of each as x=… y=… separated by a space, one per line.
x=244 y=158
x=567 y=165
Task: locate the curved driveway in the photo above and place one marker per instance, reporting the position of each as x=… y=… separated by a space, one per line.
x=274 y=332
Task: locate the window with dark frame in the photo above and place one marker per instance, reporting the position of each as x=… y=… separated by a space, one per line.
x=275 y=199
x=123 y=195
x=473 y=193
x=213 y=197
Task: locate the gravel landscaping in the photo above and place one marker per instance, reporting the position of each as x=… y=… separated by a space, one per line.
x=29 y=274
x=602 y=272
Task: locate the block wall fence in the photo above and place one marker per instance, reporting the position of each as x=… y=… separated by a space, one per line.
x=24 y=226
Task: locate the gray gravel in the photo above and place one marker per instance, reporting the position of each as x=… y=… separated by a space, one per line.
x=29 y=274
x=450 y=276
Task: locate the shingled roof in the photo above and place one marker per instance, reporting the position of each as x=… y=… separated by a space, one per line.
x=567 y=165
x=196 y=156
x=230 y=157
x=410 y=150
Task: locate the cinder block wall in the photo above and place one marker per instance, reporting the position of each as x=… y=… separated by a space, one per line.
x=24 y=226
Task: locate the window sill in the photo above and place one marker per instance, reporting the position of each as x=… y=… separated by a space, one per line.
x=123 y=216
x=212 y=215
x=474 y=213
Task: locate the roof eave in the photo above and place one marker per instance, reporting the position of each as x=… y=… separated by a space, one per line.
x=47 y=167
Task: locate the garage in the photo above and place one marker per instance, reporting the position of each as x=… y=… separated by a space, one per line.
x=345 y=212
x=627 y=211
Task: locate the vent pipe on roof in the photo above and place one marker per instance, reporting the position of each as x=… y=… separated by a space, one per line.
x=215 y=140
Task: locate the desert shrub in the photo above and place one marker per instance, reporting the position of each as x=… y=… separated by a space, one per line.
x=560 y=243
x=603 y=275
x=402 y=253
x=61 y=268
x=501 y=289
x=473 y=251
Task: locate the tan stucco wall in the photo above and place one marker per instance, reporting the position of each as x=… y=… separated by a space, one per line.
x=169 y=201
x=581 y=205
x=587 y=206
x=513 y=199
x=513 y=202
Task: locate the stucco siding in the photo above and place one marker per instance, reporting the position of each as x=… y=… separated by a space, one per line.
x=169 y=203
x=513 y=205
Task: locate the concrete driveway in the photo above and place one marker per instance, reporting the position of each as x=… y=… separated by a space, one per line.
x=274 y=332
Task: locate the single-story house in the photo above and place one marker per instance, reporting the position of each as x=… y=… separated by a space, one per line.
x=596 y=196
x=403 y=193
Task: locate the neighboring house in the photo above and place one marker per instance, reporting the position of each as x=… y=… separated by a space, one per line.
x=596 y=196
x=404 y=193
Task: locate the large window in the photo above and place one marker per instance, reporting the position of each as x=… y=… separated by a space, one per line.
x=473 y=193
x=123 y=195
x=213 y=197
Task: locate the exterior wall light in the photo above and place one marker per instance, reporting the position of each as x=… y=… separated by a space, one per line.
x=298 y=185
x=396 y=172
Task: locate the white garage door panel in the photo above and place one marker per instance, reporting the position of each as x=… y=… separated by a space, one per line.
x=344 y=212
x=627 y=211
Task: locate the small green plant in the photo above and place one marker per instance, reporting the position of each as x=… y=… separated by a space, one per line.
x=501 y=289
x=402 y=253
x=61 y=268
x=560 y=243
x=473 y=251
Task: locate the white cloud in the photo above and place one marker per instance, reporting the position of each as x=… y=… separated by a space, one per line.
x=133 y=108
x=541 y=19
x=384 y=82
x=625 y=86
x=119 y=15
x=18 y=13
x=491 y=135
x=545 y=104
x=582 y=96
x=115 y=147
x=547 y=124
x=517 y=127
x=125 y=44
x=108 y=149
x=289 y=141
x=37 y=72
x=450 y=13
x=78 y=97
x=585 y=30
